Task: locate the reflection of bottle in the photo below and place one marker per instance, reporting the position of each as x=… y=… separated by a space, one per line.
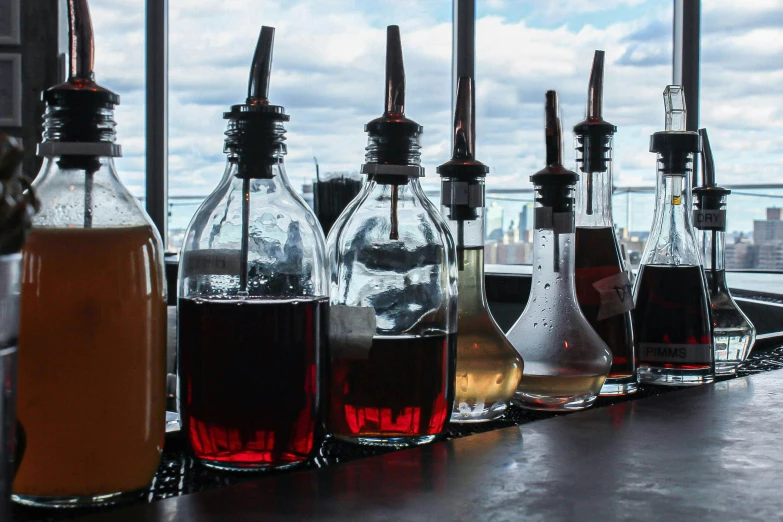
x=488 y=367
x=393 y=291
x=566 y=361
x=252 y=301
x=602 y=286
x=93 y=332
x=733 y=333
x=671 y=318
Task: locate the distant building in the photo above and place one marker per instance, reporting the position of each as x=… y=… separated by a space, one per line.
x=494 y=219
x=770 y=231
x=741 y=253
x=526 y=223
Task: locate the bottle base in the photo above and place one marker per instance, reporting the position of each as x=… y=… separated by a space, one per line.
x=389 y=442
x=532 y=401
x=726 y=369
x=249 y=466
x=68 y=502
x=619 y=386
x=464 y=414
x=675 y=377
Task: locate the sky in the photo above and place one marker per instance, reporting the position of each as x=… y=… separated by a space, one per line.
x=328 y=73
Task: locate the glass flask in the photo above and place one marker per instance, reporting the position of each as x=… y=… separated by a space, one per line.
x=488 y=366
x=253 y=304
x=603 y=289
x=566 y=362
x=92 y=357
x=732 y=333
x=671 y=317
x=392 y=334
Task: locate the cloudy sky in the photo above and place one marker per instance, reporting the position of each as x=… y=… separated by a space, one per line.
x=328 y=73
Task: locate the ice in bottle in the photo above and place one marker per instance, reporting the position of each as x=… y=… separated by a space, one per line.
x=488 y=366
x=253 y=301
x=672 y=330
x=393 y=291
x=603 y=289
x=566 y=362
x=92 y=358
x=732 y=333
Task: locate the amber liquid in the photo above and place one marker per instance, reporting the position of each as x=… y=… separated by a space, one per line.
x=597 y=257
x=92 y=361
x=402 y=389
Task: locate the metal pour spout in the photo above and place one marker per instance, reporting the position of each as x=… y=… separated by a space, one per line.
x=464 y=121
x=554 y=131
x=595 y=89
x=81 y=41
x=261 y=69
x=707 y=161
x=395 y=72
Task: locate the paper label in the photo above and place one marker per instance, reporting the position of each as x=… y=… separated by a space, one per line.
x=709 y=219
x=675 y=353
x=351 y=331
x=218 y=261
x=616 y=294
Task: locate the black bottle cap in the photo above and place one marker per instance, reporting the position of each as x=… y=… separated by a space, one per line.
x=594 y=127
x=709 y=195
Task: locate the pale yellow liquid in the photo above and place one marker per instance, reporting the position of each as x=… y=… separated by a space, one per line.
x=557 y=386
x=488 y=366
x=92 y=361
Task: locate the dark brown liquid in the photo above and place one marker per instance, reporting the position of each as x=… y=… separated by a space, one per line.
x=404 y=388
x=250 y=379
x=672 y=308
x=597 y=257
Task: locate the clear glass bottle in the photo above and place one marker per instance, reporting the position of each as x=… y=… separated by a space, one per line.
x=392 y=333
x=92 y=358
x=733 y=333
x=488 y=366
x=603 y=289
x=566 y=361
x=671 y=317
x=253 y=305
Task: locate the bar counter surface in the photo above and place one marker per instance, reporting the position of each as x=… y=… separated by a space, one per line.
x=712 y=452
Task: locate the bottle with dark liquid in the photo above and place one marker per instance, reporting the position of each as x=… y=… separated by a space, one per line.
x=671 y=318
x=393 y=291
x=252 y=309
x=92 y=357
x=488 y=366
x=602 y=285
x=733 y=333
x=566 y=362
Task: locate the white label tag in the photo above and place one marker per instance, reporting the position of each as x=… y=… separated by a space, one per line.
x=218 y=261
x=616 y=295
x=709 y=219
x=675 y=353
x=351 y=330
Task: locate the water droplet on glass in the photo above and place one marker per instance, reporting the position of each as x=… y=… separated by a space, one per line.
x=547 y=286
x=535 y=324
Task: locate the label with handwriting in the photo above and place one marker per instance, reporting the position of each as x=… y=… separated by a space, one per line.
x=616 y=295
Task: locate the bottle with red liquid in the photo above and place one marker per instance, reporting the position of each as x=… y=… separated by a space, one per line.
x=392 y=335
x=602 y=285
x=672 y=328
x=252 y=309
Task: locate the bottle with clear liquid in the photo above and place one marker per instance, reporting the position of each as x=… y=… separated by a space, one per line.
x=92 y=357
x=732 y=332
x=488 y=366
x=603 y=288
x=253 y=305
x=393 y=295
x=672 y=329
x=566 y=362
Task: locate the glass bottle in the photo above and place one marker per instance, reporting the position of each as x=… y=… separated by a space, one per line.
x=671 y=317
x=488 y=366
x=603 y=289
x=733 y=333
x=566 y=361
x=253 y=306
x=393 y=291
x=92 y=363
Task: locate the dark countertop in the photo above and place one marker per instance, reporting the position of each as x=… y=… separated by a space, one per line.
x=711 y=452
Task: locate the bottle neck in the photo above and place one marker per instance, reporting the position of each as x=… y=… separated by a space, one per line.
x=713 y=249
x=594 y=199
x=472 y=293
x=553 y=261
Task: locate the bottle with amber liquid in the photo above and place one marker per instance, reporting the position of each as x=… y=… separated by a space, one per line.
x=672 y=330
x=602 y=285
x=566 y=362
x=393 y=313
x=252 y=305
x=488 y=366
x=92 y=363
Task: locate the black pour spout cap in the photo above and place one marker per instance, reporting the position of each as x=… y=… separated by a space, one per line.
x=675 y=145
x=709 y=196
x=463 y=164
x=593 y=134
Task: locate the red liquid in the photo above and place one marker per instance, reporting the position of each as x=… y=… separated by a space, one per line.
x=597 y=257
x=672 y=308
x=250 y=374
x=403 y=389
